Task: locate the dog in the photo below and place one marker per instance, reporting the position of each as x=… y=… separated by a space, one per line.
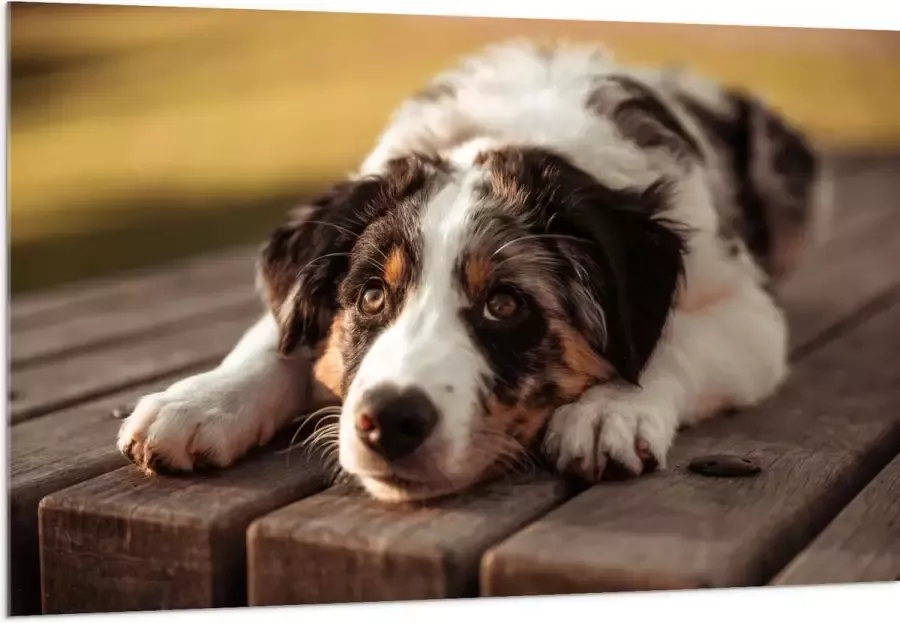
x=546 y=252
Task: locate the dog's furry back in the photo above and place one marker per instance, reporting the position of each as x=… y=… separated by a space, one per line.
x=770 y=188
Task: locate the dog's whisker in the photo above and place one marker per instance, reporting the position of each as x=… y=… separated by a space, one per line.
x=345 y=230
x=536 y=237
x=313 y=436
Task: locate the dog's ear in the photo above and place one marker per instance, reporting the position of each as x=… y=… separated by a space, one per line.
x=622 y=260
x=626 y=266
x=303 y=260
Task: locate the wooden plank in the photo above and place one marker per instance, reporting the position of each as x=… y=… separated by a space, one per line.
x=60 y=383
x=51 y=453
x=840 y=279
x=865 y=190
x=125 y=542
x=206 y=273
x=342 y=546
x=862 y=544
x=166 y=310
x=819 y=441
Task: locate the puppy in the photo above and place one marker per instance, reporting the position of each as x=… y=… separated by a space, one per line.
x=544 y=251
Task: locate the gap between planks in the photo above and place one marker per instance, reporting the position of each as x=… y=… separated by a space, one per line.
x=49 y=454
x=861 y=544
x=55 y=385
x=204 y=273
x=132 y=307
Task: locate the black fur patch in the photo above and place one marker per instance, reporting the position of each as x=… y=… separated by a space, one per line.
x=772 y=168
x=305 y=260
x=642 y=116
x=613 y=262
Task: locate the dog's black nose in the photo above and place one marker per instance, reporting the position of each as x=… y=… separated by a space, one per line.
x=394 y=422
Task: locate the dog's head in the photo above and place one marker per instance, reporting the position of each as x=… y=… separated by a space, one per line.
x=452 y=308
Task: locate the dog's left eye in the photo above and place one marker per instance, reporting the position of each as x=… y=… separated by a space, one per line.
x=372 y=300
x=502 y=304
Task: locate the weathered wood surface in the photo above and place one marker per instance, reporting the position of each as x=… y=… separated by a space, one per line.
x=861 y=255
x=106 y=326
x=207 y=273
x=819 y=441
x=340 y=546
x=187 y=312
x=59 y=383
x=49 y=454
x=124 y=542
x=861 y=544
x=362 y=551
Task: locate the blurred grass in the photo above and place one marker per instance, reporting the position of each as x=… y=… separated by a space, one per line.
x=141 y=134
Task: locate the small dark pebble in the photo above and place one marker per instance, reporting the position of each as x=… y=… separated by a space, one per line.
x=724 y=466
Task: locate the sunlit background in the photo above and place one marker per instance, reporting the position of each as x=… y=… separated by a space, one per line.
x=140 y=135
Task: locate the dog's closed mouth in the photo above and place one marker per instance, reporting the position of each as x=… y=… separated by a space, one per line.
x=404 y=489
x=395 y=481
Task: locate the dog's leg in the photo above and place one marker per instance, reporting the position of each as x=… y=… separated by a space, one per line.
x=730 y=353
x=218 y=416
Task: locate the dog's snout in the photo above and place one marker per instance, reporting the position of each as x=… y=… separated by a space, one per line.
x=393 y=422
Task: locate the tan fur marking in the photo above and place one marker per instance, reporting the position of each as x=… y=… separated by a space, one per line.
x=583 y=366
x=478 y=270
x=328 y=369
x=519 y=422
x=394 y=267
x=698 y=301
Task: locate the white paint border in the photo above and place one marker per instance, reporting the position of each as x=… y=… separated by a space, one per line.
x=846 y=602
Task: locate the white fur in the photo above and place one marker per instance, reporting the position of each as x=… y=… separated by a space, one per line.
x=730 y=354
x=224 y=412
x=427 y=347
x=726 y=341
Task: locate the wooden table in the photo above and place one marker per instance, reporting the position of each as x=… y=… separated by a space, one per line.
x=91 y=535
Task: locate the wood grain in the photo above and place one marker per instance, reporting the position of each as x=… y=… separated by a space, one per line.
x=858 y=260
x=205 y=273
x=862 y=544
x=840 y=280
x=342 y=546
x=125 y=542
x=61 y=383
x=51 y=453
x=169 y=309
x=819 y=441
x=865 y=186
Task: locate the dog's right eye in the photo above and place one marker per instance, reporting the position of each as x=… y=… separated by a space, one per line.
x=371 y=301
x=503 y=304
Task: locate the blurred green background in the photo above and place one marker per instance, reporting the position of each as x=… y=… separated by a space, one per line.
x=140 y=135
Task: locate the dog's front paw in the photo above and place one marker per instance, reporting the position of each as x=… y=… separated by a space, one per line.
x=610 y=429
x=193 y=424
